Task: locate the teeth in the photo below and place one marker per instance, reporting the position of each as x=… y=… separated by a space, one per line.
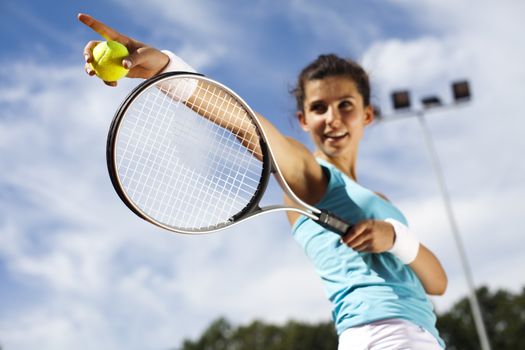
x=336 y=135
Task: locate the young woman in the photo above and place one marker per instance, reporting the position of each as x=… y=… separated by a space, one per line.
x=377 y=275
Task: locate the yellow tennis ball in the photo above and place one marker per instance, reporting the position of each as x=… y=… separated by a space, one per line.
x=107 y=62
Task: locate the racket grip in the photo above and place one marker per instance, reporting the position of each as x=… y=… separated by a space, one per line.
x=333 y=223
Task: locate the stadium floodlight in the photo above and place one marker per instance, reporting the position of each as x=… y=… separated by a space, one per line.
x=431 y=102
x=401 y=99
x=461 y=91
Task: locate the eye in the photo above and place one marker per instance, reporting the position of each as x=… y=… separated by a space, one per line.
x=346 y=105
x=318 y=108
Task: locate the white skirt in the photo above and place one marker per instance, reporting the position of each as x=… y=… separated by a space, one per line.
x=391 y=334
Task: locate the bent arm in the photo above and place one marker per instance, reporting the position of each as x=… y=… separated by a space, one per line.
x=378 y=236
x=424 y=263
x=429 y=271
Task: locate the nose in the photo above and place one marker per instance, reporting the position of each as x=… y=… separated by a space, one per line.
x=333 y=116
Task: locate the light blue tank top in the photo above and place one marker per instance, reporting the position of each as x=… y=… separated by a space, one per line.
x=363 y=287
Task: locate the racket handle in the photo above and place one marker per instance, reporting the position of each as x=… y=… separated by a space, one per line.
x=333 y=223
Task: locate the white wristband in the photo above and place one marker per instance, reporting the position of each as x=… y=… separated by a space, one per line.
x=406 y=244
x=176 y=64
x=184 y=88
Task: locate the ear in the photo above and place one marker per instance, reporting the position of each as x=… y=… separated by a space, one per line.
x=369 y=114
x=302 y=121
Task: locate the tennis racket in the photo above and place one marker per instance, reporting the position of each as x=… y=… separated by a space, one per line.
x=187 y=154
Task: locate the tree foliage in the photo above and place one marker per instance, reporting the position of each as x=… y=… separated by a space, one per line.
x=503 y=312
x=221 y=335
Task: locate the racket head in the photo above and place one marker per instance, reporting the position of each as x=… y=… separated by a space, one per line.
x=175 y=168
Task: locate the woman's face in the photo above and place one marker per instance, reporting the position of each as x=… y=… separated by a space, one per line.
x=334 y=115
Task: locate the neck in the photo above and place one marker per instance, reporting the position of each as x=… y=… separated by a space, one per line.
x=347 y=163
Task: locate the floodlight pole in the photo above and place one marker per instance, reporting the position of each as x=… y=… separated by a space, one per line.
x=461 y=92
x=473 y=300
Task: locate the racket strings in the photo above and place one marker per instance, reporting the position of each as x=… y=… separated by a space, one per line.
x=191 y=195
x=155 y=157
x=223 y=109
x=218 y=106
x=142 y=178
x=188 y=161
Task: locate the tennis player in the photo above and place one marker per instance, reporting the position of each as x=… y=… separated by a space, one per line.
x=378 y=275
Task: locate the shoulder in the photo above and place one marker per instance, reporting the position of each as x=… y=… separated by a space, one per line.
x=382 y=196
x=315 y=191
x=301 y=171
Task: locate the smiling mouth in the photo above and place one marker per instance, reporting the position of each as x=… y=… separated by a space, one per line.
x=335 y=136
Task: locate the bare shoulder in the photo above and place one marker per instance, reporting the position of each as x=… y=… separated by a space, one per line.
x=307 y=179
x=382 y=196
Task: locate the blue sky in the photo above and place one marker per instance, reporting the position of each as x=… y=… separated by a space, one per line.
x=78 y=270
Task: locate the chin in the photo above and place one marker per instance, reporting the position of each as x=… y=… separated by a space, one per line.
x=330 y=152
x=334 y=152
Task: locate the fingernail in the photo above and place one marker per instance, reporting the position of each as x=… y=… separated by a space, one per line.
x=126 y=63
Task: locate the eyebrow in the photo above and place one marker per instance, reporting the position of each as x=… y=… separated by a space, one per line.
x=351 y=97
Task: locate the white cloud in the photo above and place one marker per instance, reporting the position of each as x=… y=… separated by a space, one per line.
x=326 y=21
x=487 y=246
x=199 y=31
x=413 y=63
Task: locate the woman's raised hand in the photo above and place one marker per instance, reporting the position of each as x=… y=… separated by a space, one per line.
x=143 y=61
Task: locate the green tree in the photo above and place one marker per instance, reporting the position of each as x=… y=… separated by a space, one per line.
x=261 y=336
x=216 y=337
x=504 y=317
x=503 y=312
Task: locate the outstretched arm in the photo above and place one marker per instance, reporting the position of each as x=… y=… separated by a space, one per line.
x=299 y=167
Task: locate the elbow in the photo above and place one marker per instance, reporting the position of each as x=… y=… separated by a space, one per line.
x=439 y=287
x=438 y=291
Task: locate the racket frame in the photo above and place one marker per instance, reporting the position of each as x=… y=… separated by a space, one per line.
x=252 y=209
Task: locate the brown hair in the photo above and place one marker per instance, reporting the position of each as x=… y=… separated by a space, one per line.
x=328 y=66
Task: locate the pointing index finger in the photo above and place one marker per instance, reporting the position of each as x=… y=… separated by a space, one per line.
x=107 y=32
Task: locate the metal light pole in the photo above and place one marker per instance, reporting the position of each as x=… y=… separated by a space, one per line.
x=401 y=100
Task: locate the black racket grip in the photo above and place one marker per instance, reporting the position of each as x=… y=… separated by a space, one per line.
x=333 y=223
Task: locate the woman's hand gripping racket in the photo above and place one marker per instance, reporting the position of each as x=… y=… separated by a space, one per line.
x=187 y=154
